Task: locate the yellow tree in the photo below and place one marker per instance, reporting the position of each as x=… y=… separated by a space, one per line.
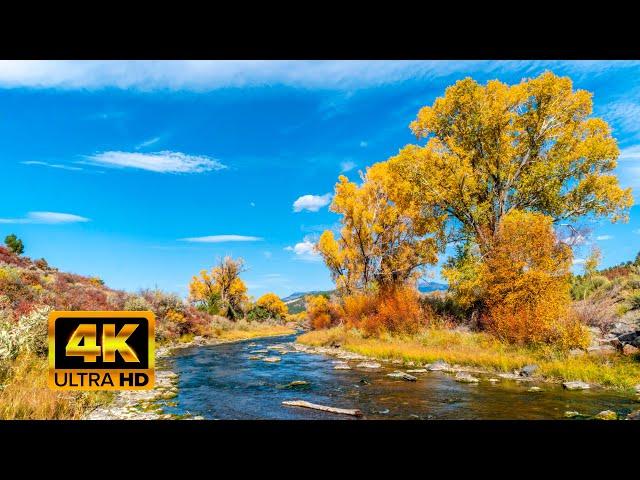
x=379 y=243
x=222 y=291
x=526 y=281
x=273 y=305
x=492 y=148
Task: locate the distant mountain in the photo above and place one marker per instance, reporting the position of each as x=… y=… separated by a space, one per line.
x=295 y=301
x=426 y=287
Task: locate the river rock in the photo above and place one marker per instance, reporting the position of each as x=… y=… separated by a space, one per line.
x=256 y=352
x=528 y=370
x=602 y=350
x=252 y=345
x=342 y=366
x=606 y=415
x=255 y=357
x=417 y=370
x=298 y=383
x=271 y=359
x=438 y=366
x=576 y=385
x=510 y=376
x=466 y=378
x=572 y=414
x=634 y=415
x=534 y=389
x=637 y=387
x=494 y=380
x=629 y=349
x=577 y=352
x=369 y=365
x=403 y=376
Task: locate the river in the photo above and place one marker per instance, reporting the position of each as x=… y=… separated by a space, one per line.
x=222 y=382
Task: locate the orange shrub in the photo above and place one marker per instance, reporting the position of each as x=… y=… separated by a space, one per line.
x=525 y=278
x=319 y=311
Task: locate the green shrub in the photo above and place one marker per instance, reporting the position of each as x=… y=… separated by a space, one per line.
x=136 y=303
x=258 y=314
x=634 y=301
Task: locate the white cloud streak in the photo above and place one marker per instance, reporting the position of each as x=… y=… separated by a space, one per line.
x=305 y=250
x=52 y=165
x=604 y=237
x=347 y=166
x=147 y=143
x=312 y=203
x=159 y=162
x=197 y=75
x=45 y=218
x=221 y=239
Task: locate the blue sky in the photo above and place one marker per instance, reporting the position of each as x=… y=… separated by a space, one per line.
x=144 y=173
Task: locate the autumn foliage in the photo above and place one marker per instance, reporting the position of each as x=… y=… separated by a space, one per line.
x=272 y=304
x=222 y=291
x=525 y=281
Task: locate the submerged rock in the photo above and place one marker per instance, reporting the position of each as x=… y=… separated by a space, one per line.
x=576 y=385
x=403 y=376
x=494 y=380
x=417 y=370
x=255 y=357
x=341 y=366
x=466 y=378
x=255 y=352
x=606 y=415
x=271 y=359
x=438 y=366
x=534 y=389
x=298 y=383
x=369 y=365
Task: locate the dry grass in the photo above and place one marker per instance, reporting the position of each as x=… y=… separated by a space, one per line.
x=484 y=351
x=25 y=395
x=256 y=331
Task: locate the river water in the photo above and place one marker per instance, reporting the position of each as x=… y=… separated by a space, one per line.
x=222 y=382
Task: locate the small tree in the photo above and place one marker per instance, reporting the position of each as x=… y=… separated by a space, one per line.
x=525 y=279
x=221 y=291
x=272 y=304
x=14 y=244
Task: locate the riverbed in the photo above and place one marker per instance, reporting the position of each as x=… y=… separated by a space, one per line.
x=233 y=381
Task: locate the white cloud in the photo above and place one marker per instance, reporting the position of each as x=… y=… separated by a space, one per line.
x=253 y=204
x=198 y=75
x=161 y=162
x=312 y=203
x=578 y=261
x=305 y=250
x=604 y=237
x=51 y=165
x=148 y=143
x=46 y=218
x=364 y=144
x=623 y=114
x=221 y=239
x=347 y=166
x=630 y=153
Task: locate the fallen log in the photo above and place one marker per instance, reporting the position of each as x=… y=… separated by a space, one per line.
x=343 y=411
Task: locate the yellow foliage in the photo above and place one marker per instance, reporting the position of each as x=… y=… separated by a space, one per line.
x=384 y=240
x=495 y=147
x=525 y=278
x=272 y=303
x=222 y=290
x=319 y=311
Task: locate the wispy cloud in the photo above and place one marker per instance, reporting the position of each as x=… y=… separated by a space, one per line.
x=624 y=115
x=347 y=166
x=221 y=239
x=51 y=165
x=578 y=261
x=364 y=144
x=312 y=203
x=160 y=162
x=148 y=143
x=209 y=75
x=604 y=237
x=45 y=218
x=631 y=153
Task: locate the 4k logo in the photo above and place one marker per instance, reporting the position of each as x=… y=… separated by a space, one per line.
x=101 y=350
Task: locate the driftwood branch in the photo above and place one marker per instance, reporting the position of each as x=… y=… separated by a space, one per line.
x=343 y=411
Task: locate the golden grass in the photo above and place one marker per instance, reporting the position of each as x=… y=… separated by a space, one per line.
x=258 y=331
x=25 y=395
x=484 y=351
